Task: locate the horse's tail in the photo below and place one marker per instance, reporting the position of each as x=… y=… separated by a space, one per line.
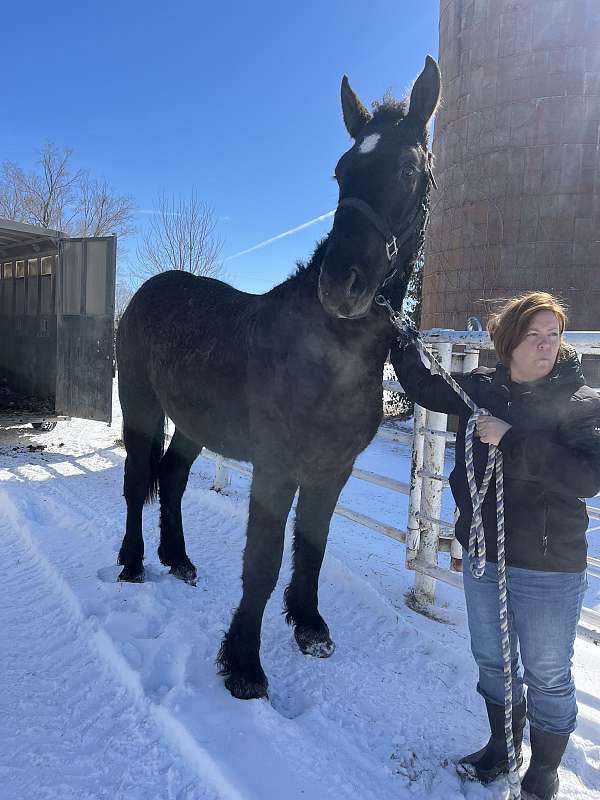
x=157 y=449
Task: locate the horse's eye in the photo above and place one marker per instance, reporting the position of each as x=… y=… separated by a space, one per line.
x=408 y=172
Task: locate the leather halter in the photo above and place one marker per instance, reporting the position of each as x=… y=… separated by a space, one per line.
x=392 y=243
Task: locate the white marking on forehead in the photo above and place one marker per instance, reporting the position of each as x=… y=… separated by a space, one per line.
x=369 y=143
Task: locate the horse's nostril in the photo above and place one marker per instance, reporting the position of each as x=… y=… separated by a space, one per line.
x=355 y=284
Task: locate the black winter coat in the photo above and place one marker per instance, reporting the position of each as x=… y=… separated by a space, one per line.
x=551 y=457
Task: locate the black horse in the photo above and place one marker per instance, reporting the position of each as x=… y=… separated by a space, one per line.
x=289 y=380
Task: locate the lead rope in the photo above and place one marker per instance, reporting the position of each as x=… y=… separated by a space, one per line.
x=476 y=534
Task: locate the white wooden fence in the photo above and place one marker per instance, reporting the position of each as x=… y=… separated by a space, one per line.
x=427 y=534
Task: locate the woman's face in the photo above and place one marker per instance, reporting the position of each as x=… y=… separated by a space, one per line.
x=536 y=355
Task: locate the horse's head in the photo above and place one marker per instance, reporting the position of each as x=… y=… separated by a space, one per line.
x=384 y=180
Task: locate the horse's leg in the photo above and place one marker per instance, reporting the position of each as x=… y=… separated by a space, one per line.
x=143 y=435
x=239 y=660
x=173 y=473
x=316 y=502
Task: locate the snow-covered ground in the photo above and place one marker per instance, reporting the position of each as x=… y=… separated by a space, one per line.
x=109 y=690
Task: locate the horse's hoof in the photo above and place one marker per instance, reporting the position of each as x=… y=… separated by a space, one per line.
x=314 y=643
x=243 y=689
x=185 y=572
x=132 y=575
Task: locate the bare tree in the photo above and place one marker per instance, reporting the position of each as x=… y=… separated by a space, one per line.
x=124 y=291
x=101 y=211
x=43 y=196
x=11 y=199
x=180 y=234
x=57 y=196
x=51 y=193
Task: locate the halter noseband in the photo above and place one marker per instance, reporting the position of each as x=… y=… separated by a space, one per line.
x=391 y=242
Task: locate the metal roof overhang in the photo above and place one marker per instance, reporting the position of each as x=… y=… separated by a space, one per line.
x=15 y=236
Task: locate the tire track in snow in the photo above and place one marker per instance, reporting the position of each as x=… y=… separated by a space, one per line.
x=61 y=706
x=86 y=515
x=239 y=748
x=300 y=736
x=292 y=771
x=175 y=628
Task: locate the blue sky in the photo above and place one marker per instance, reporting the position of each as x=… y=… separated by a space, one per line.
x=238 y=101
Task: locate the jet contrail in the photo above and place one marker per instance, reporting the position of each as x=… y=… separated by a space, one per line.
x=157 y=212
x=281 y=235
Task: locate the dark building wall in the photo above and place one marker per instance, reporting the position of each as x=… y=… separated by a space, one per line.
x=517 y=159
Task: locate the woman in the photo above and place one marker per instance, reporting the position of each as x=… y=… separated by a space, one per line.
x=545 y=421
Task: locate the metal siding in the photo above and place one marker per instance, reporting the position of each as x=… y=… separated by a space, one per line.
x=28 y=339
x=71 y=276
x=46 y=292
x=28 y=356
x=85 y=340
x=6 y=295
x=95 y=288
x=33 y=294
x=19 y=296
x=65 y=357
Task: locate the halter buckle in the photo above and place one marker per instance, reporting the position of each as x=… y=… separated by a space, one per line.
x=391 y=248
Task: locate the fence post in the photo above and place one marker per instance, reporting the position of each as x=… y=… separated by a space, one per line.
x=434 y=448
x=413 y=533
x=470 y=362
x=222 y=475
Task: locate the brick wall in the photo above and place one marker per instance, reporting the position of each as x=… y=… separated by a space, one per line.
x=517 y=159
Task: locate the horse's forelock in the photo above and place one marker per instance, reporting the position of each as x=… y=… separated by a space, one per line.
x=389 y=109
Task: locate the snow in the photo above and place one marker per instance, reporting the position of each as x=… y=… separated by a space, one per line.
x=109 y=690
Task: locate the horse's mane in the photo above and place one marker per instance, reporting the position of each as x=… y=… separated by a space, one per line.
x=388 y=108
x=315 y=259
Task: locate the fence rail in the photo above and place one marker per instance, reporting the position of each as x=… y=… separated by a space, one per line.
x=427 y=533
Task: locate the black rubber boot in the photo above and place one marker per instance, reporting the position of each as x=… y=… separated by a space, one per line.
x=540 y=782
x=492 y=760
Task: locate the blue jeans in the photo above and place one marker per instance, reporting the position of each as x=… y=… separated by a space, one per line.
x=543 y=611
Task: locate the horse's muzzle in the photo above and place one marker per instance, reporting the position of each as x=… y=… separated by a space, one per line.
x=347 y=296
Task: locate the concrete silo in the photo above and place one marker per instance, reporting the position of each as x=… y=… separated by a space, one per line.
x=517 y=159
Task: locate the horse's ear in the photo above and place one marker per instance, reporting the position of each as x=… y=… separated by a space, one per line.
x=355 y=114
x=425 y=94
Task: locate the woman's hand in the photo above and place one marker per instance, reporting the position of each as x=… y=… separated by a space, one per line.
x=491 y=429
